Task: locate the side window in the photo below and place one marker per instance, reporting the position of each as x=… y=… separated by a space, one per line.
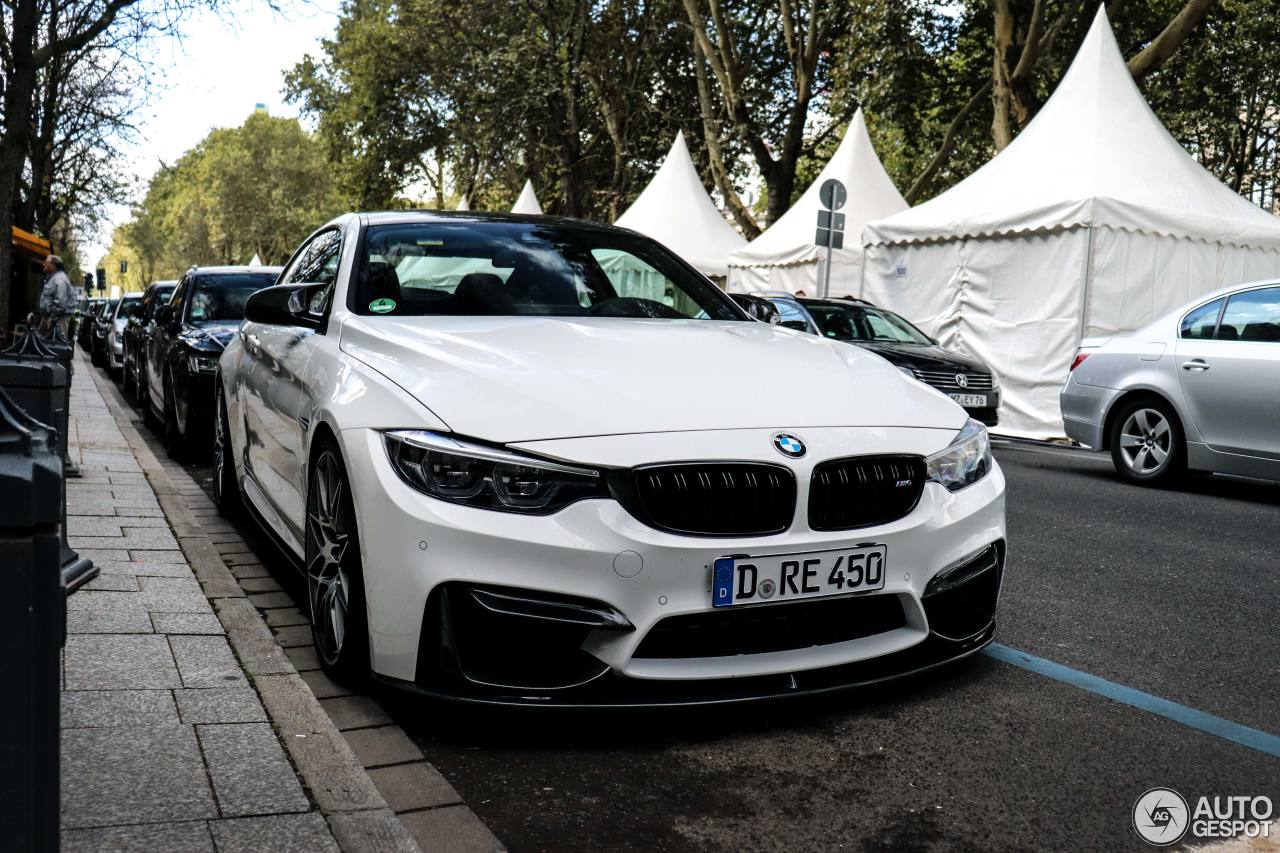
x=789 y=315
x=1201 y=322
x=1252 y=316
x=318 y=263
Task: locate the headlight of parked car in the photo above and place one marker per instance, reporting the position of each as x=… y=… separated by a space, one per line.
x=473 y=474
x=202 y=363
x=965 y=461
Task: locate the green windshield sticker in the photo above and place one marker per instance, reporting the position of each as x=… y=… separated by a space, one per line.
x=382 y=306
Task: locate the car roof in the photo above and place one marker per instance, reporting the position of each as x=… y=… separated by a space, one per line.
x=400 y=217
x=806 y=300
x=235 y=270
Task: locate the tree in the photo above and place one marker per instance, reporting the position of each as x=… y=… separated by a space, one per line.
x=258 y=189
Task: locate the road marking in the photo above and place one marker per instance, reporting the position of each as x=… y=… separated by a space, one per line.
x=1225 y=729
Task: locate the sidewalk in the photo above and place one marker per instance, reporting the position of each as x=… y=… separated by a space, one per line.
x=185 y=726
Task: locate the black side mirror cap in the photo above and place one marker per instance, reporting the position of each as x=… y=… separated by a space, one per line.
x=284 y=305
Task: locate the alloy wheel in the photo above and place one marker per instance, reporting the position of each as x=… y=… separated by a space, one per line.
x=1146 y=441
x=328 y=538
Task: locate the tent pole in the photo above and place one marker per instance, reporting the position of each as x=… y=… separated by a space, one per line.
x=1084 y=296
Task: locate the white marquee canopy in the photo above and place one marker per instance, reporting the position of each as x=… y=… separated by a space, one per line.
x=676 y=210
x=1093 y=221
x=785 y=256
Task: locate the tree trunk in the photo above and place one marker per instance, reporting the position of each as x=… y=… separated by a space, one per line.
x=1151 y=57
x=715 y=154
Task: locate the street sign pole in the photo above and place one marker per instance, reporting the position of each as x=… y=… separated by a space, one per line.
x=830 y=233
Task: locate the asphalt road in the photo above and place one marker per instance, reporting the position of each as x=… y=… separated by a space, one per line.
x=1173 y=593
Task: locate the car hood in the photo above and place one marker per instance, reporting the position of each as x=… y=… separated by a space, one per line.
x=932 y=357
x=214 y=335
x=511 y=379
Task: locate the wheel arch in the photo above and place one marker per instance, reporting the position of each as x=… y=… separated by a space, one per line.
x=1119 y=403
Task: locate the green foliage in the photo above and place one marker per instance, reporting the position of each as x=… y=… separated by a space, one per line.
x=255 y=189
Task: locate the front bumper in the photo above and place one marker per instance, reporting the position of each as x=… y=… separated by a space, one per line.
x=423 y=558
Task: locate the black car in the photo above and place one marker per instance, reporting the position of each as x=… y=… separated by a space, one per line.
x=136 y=330
x=185 y=341
x=84 y=321
x=962 y=378
x=100 y=332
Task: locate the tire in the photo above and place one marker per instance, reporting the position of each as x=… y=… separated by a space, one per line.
x=226 y=493
x=1147 y=445
x=126 y=385
x=174 y=442
x=335 y=576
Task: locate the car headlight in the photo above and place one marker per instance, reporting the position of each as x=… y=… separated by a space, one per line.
x=202 y=363
x=478 y=475
x=964 y=462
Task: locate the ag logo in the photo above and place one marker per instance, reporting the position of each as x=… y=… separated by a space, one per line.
x=789 y=445
x=962 y=380
x=1160 y=817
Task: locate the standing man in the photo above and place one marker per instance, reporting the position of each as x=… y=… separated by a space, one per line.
x=58 y=298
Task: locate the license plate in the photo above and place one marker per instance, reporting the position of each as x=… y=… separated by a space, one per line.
x=787 y=577
x=969 y=399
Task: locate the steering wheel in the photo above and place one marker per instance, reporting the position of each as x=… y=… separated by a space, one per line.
x=634 y=306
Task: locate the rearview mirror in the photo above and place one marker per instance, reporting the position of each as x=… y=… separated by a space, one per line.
x=284 y=305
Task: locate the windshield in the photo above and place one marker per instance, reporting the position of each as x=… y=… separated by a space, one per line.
x=220 y=298
x=106 y=308
x=518 y=268
x=128 y=308
x=854 y=322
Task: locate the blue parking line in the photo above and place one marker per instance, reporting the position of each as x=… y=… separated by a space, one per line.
x=1225 y=729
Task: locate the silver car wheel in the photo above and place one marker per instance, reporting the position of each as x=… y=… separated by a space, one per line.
x=326 y=548
x=1146 y=441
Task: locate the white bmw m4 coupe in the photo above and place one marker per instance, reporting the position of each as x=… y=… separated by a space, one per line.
x=535 y=460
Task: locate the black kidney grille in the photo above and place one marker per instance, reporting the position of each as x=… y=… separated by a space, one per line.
x=864 y=490
x=715 y=498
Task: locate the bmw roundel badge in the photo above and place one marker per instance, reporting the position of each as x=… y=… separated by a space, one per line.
x=788 y=445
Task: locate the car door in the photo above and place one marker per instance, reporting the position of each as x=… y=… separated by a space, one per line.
x=160 y=339
x=1229 y=380
x=275 y=401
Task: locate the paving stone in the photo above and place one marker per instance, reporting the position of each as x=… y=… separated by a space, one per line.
x=205 y=661
x=337 y=781
x=250 y=570
x=259 y=653
x=237 y=559
x=140 y=569
x=187 y=837
x=266 y=600
x=414 y=786
x=219 y=705
x=128 y=774
x=251 y=775
x=173 y=595
x=375 y=831
x=93 y=708
x=294 y=635
x=103 y=555
x=384 y=745
x=228 y=548
x=274 y=834
x=322 y=685
x=89 y=525
x=285 y=616
x=237 y=613
x=355 y=712
x=453 y=828
x=160 y=557
x=104 y=662
x=186 y=623
x=105 y=602
x=267 y=584
x=113 y=582
x=304 y=658
x=94 y=622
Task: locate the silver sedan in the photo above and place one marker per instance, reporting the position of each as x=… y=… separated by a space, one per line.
x=1197 y=389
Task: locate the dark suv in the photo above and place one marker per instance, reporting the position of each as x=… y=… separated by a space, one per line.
x=962 y=378
x=185 y=342
x=135 y=335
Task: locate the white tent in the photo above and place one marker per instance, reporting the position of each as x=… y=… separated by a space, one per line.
x=255 y=261
x=463 y=204
x=675 y=210
x=528 y=201
x=1093 y=221
x=785 y=256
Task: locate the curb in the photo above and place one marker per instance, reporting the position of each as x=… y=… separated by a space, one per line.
x=358 y=815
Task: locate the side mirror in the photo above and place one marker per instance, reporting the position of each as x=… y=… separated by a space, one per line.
x=165 y=317
x=284 y=305
x=798 y=325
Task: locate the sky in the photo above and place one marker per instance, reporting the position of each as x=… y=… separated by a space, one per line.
x=213 y=75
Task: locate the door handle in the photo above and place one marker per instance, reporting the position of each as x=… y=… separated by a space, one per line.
x=1195 y=364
